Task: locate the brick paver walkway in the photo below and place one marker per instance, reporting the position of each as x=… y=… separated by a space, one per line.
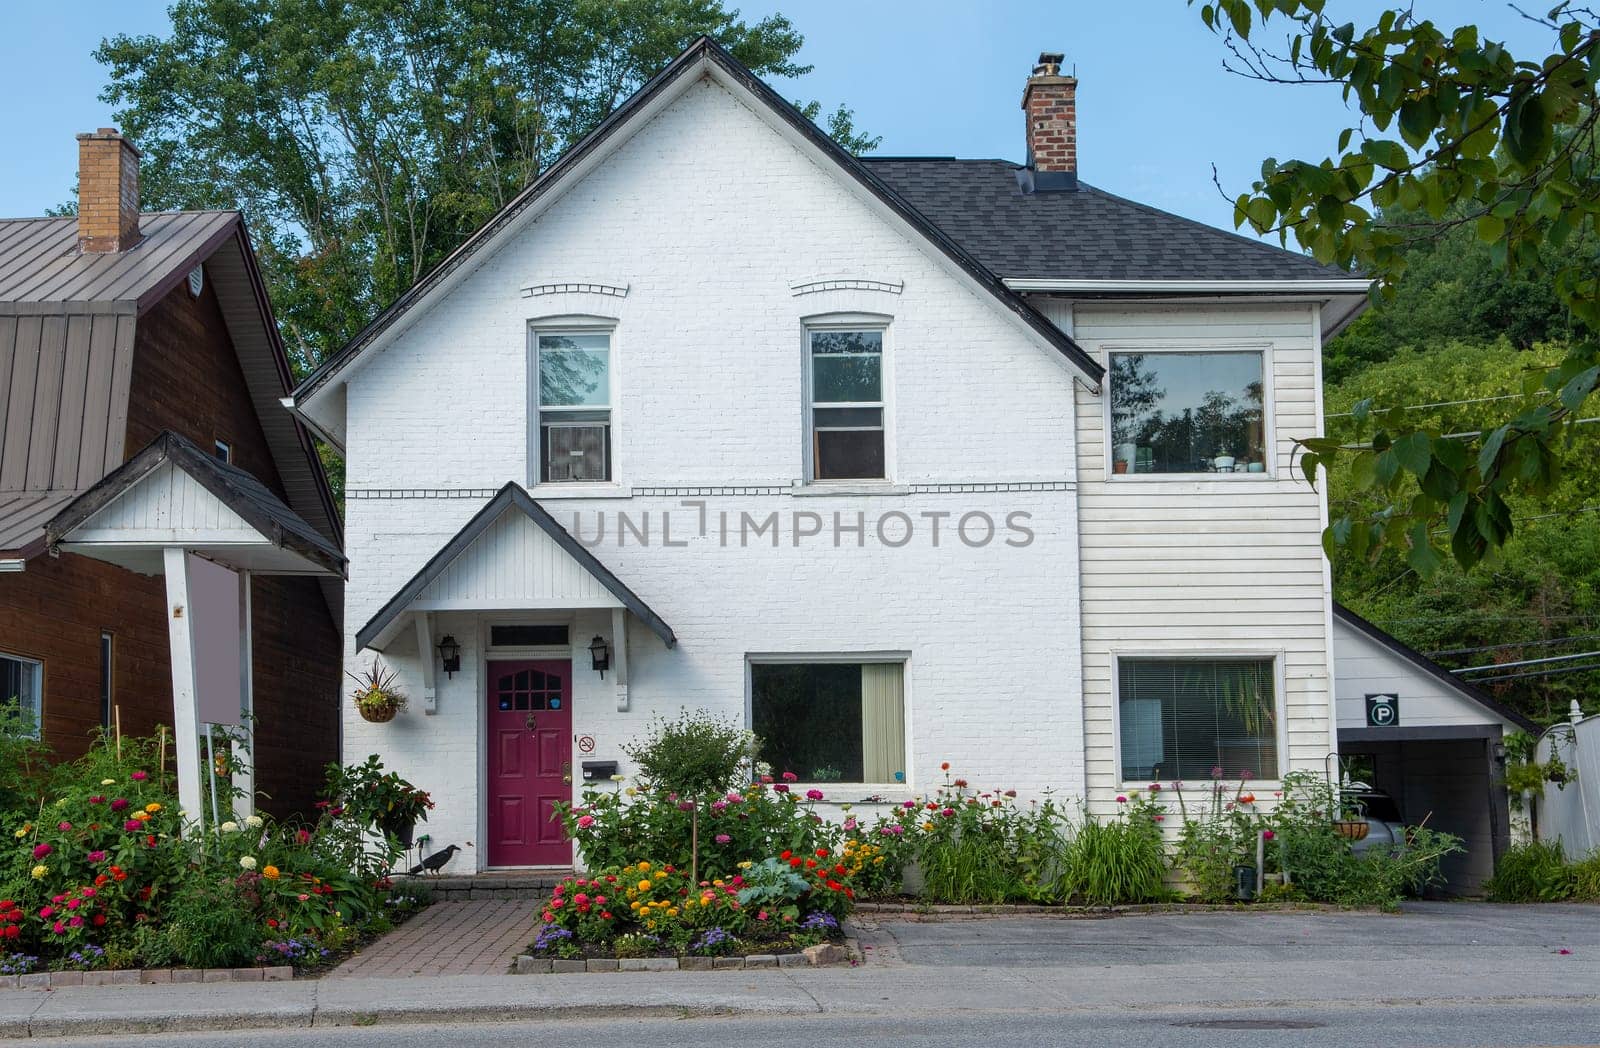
x=448 y=938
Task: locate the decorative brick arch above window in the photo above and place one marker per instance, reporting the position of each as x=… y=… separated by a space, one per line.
x=569 y=287
x=814 y=285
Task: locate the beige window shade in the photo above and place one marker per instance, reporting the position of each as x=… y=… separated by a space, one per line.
x=883 y=722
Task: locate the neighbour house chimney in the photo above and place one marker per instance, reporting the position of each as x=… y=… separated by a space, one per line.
x=108 y=192
x=1051 y=107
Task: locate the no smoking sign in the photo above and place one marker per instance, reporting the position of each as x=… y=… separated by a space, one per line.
x=585 y=743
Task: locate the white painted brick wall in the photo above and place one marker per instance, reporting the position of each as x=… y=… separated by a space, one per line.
x=708 y=216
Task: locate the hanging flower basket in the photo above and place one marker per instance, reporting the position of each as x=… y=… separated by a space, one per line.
x=376 y=697
x=1353 y=829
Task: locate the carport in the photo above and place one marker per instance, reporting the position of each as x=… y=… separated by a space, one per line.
x=1428 y=739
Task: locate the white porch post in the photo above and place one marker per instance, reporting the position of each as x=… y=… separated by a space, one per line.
x=185 y=713
x=245 y=779
x=619 y=656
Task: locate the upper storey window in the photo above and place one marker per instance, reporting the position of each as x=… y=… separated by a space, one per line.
x=574 y=371
x=845 y=414
x=1188 y=412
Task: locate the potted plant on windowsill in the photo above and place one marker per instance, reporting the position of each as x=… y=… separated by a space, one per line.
x=377 y=697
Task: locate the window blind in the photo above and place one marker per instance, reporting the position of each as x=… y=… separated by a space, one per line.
x=1183 y=718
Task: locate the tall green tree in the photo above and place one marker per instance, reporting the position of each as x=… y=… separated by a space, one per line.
x=364 y=139
x=1459 y=132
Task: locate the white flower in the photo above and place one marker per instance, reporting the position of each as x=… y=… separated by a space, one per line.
x=253 y=821
x=247 y=861
x=619 y=778
x=229 y=827
x=108 y=782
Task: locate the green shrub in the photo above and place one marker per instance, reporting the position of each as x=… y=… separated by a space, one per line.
x=1534 y=872
x=695 y=755
x=985 y=848
x=1119 y=860
x=1215 y=839
x=210 y=925
x=23 y=760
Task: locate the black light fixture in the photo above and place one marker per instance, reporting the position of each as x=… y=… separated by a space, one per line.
x=600 y=652
x=449 y=655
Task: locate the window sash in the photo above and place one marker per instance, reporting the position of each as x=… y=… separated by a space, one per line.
x=577 y=346
x=22 y=684
x=1185 y=718
x=1162 y=430
x=860 y=738
x=827 y=415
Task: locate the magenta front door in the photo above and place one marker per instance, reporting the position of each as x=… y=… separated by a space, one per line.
x=530 y=761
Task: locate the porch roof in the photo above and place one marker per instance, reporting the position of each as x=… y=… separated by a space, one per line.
x=452 y=579
x=173 y=494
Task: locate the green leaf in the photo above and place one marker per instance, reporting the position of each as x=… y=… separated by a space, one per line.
x=1491 y=449
x=1578 y=388
x=1414 y=452
x=1308 y=466
x=1527 y=129
x=1386 y=153
x=1418 y=118
x=1491 y=228
x=1424 y=560
x=1363 y=471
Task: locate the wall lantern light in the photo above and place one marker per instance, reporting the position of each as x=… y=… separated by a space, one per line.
x=600 y=652
x=449 y=655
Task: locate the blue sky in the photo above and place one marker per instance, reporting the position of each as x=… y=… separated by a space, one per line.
x=939 y=77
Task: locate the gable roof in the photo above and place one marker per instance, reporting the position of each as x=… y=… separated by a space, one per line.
x=702 y=52
x=68 y=334
x=1470 y=692
x=512 y=496
x=233 y=487
x=1086 y=234
x=42 y=270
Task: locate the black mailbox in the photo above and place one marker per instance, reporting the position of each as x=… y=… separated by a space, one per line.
x=593 y=770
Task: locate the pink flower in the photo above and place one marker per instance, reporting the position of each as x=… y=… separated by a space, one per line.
x=1246 y=775
x=73 y=904
x=1267 y=835
x=139 y=776
x=948 y=812
x=735 y=797
x=1216 y=771
x=63 y=826
x=120 y=804
x=766 y=779
x=813 y=795
x=581 y=899
x=97 y=799
x=685 y=806
x=780 y=788
x=41 y=850
x=761 y=915
x=47 y=912
x=88 y=893
x=585 y=821
x=723 y=838
x=1155 y=787
x=59 y=928
x=97 y=856
x=718 y=807
x=850 y=823
x=133 y=825
x=1121 y=799
x=790 y=776
x=1160 y=818
x=76 y=922
x=908 y=804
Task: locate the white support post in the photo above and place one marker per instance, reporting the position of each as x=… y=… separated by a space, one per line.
x=244 y=752
x=619 y=656
x=430 y=692
x=185 y=712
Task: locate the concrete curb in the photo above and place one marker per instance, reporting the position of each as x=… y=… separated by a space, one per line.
x=527 y=964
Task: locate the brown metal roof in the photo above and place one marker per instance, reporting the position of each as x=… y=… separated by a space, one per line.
x=42 y=270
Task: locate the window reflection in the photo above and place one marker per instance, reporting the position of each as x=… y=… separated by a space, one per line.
x=1187 y=413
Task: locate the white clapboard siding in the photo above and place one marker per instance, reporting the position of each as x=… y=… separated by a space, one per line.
x=167 y=502
x=1186 y=566
x=515 y=563
x=1364 y=667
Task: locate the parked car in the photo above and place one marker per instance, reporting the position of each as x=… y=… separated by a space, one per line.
x=1385 y=828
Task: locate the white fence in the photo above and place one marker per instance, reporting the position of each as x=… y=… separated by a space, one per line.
x=1572 y=815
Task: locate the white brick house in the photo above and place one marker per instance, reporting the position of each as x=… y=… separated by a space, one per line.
x=790 y=436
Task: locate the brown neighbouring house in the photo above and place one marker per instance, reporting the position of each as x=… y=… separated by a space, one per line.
x=128 y=336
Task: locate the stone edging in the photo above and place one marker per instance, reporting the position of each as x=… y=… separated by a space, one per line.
x=826 y=953
x=144 y=977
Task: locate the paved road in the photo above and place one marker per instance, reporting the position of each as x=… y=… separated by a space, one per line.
x=1541 y=1025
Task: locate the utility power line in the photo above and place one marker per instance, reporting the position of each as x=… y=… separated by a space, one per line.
x=1527 y=662
x=1537 y=673
x=1542 y=643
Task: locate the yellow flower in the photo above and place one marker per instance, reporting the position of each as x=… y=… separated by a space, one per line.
x=746 y=864
x=672 y=912
x=661 y=875
x=39 y=872
x=142 y=816
x=927 y=827
x=633 y=905
x=644 y=886
x=630 y=791
x=21 y=833
x=269 y=872
x=152 y=808
x=644 y=865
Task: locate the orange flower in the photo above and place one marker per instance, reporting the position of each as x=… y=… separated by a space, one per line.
x=945 y=766
x=269 y=872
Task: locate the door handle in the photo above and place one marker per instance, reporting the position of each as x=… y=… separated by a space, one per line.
x=532 y=722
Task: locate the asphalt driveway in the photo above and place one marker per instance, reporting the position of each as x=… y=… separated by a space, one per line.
x=1424 y=932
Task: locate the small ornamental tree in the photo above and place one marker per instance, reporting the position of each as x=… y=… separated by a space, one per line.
x=690 y=758
x=1453 y=131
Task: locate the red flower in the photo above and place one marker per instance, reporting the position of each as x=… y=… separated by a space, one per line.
x=822 y=853
x=944 y=766
x=271 y=923
x=961 y=784
x=99 y=920
x=786 y=855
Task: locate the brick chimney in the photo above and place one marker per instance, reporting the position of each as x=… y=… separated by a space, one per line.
x=108 y=192
x=1050 y=102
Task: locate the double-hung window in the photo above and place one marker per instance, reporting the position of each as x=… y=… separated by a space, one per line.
x=1188 y=412
x=1197 y=718
x=845 y=415
x=828 y=721
x=574 y=376
x=22 y=687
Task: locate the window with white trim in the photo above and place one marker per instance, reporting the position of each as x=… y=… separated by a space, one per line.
x=22 y=687
x=845 y=415
x=831 y=721
x=1188 y=412
x=1194 y=718
x=573 y=371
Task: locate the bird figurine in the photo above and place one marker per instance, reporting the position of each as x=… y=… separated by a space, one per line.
x=435 y=862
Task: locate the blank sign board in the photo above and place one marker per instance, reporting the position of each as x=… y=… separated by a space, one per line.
x=218 y=642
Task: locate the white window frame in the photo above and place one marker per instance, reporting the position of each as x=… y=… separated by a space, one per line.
x=899 y=658
x=883 y=325
x=574 y=324
x=1268 y=410
x=108 y=678
x=1279 y=697
x=37 y=710
x=222 y=450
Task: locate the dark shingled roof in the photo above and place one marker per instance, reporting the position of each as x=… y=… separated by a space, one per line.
x=1086 y=234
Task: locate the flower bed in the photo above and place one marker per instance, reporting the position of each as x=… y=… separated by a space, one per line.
x=101 y=872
